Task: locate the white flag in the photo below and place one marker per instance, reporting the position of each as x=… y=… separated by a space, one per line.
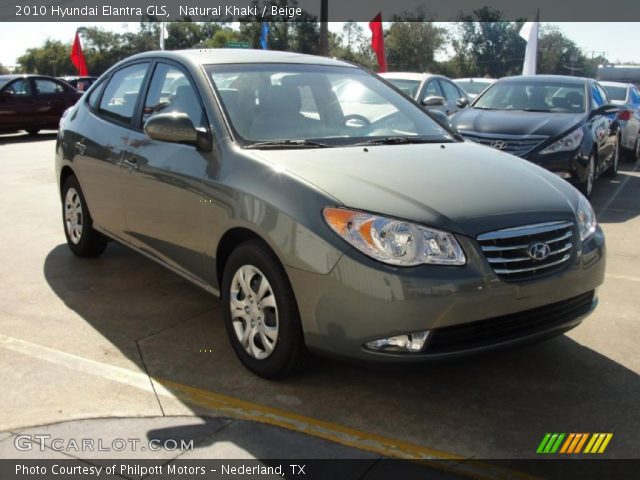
x=163 y=34
x=529 y=32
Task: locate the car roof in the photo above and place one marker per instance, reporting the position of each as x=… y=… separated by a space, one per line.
x=475 y=79
x=13 y=76
x=210 y=56
x=616 y=84
x=406 y=75
x=547 y=78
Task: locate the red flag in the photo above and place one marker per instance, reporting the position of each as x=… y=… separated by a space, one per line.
x=377 y=41
x=77 y=57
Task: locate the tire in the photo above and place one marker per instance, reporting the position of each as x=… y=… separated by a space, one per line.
x=82 y=239
x=612 y=170
x=33 y=131
x=586 y=187
x=273 y=345
x=634 y=155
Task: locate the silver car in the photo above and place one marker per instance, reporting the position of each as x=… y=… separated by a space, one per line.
x=627 y=96
x=323 y=225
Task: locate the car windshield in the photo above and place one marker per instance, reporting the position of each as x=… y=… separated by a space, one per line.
x=408 y=87
x=616 y=93
x=534 y=96
x=289 y=105
x=3 y=82
x=473 y=87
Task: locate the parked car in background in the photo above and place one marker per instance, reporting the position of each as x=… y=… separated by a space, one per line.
x=434 y=92
x=382 y=238
x=565 y=124
x=81 y=84
x=474 y=86
x=33 y=102
x=627 y=97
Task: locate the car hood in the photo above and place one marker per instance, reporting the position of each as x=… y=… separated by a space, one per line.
x=515 y=122
x=461 y=187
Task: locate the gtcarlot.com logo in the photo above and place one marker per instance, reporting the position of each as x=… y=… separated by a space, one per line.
x=573 y=443
x=41 y=442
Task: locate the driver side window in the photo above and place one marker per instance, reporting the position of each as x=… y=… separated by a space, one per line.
x=597 y=100
x=21 y=87
x=432 y=90
x=171 y=91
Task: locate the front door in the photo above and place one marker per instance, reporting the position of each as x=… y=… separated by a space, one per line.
x=17 y=105
x=163 y=180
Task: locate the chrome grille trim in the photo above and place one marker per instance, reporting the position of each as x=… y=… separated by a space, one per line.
x=507 y=251
x=518 y=145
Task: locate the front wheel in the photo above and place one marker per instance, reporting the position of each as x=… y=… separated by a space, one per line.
x=586 y=187
x=261 y=314
x=82 y=239
x=612 y=170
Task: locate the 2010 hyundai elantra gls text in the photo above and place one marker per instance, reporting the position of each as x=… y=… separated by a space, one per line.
x=355 y=227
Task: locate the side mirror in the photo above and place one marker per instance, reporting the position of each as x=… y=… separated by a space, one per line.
x=433 y=101
x=607 y=109
x=462 y=102
x=177 y=128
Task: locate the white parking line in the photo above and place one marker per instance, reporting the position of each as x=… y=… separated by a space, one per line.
x=622 y=277
x=110 y=372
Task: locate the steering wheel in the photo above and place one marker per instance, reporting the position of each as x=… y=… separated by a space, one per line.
x=357 y=117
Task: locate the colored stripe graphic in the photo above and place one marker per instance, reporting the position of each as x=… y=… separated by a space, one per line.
x=574 y=442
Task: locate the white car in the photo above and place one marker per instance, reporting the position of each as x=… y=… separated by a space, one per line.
x=474 y=86
x=435 y=92
x=627 y=96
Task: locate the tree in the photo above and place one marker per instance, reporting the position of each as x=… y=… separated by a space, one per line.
x=53 y=58
x=486 y=45
x=3 y=70
x=412 y=45
x=557 y=54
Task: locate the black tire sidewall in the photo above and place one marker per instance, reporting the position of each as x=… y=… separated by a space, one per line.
x=289 y=350
x=91 y=242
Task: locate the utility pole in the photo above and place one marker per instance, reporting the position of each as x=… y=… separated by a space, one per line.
x=324 y=27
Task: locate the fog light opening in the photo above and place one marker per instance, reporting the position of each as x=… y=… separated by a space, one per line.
x=411 y=342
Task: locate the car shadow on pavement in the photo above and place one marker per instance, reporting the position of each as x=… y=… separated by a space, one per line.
x=491 y=406
x=26 y=138
x=625 y=205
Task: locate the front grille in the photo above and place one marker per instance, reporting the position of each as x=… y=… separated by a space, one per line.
x=514 y=144
x=508 y=327
x=509 y=251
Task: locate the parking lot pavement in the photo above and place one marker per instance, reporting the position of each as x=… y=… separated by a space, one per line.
x=80 y=338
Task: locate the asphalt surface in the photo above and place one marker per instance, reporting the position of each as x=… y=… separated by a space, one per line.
x=120 y=336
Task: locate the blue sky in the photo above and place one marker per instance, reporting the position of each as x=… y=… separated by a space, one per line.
x=619 y=41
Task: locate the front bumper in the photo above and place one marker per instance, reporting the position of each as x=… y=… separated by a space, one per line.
x=362 y=300
x=571 y=166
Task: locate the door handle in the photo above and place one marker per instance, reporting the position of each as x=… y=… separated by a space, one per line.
x=80 y=147
x=132 y=163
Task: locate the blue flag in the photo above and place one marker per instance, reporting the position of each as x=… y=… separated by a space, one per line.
x=264 y=36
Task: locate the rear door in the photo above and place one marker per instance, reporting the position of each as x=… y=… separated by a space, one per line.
x=601 y=126
x=101 y=138
x=17 y=105
x=52 y=98
x=163 y=181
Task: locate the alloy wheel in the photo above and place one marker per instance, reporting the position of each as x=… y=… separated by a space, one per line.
x=73 y=215
x=254 y=313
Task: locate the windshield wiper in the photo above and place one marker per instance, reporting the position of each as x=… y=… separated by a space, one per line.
x=402 y=140
x=301 y=143
x=536 y=110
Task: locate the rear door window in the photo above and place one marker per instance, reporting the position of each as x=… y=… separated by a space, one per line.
x=48 y=87
x=122 y=92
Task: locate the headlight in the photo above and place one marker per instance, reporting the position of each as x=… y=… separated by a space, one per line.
x=395 y=242
x=567 y=143
x=586 y=218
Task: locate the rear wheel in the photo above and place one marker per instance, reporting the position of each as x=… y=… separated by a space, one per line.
x=82 y=239
x=261 y=314
x=586 y=187
x=634 y=154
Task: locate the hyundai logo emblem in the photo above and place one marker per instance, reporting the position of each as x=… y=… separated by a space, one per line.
x=538 y=251
x=499 y=144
